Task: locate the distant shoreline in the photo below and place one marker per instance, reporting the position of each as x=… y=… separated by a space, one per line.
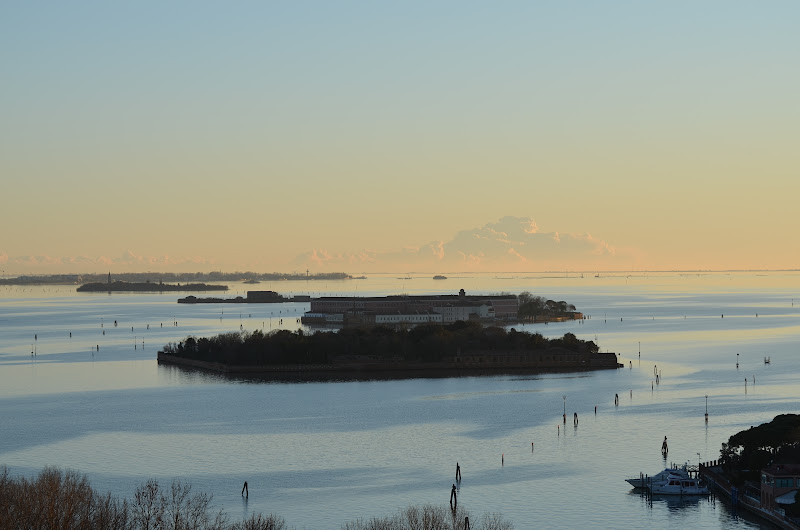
x=253 y=297
x=147 y=287
x=183 y=277
x=78 y=278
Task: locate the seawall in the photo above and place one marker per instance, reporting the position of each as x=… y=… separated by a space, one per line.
x=488 y=363
x=712 y=473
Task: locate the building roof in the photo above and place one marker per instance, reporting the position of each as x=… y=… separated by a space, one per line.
x=786 y=498
x=419 y=297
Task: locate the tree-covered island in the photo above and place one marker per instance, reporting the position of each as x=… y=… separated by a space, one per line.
x=461 y=348
x=148 y=287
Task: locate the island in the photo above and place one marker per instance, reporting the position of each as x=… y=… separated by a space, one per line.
x=149 y=287
x=253 y=297
x=439 y=277
x=428 y=350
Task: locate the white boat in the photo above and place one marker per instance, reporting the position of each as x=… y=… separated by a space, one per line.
x=642 y=481
x=677 y=485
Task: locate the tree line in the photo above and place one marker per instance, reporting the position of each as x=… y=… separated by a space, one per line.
x=749 y=451
x=64 y=500
x=425 y=343
x=531 y=306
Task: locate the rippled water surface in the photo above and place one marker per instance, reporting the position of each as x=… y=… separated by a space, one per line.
x=321 y=454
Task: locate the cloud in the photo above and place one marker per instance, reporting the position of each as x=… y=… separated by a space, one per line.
x=510 y=244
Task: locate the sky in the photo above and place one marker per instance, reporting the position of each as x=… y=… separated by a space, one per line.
x=399 y=136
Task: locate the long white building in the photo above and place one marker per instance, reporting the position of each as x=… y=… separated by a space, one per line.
x=412 y=309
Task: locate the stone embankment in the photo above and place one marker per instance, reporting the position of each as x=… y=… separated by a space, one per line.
x=749 y=500
x=475 y=363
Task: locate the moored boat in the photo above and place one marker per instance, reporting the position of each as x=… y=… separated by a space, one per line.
x=677 y=485
x=642 y=481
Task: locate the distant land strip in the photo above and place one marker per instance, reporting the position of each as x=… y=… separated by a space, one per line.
x=148 y=287
x=253 y=297
x=183 y=277
x=459 y=349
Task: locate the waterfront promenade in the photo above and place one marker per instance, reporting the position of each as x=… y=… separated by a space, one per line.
x=748 y=498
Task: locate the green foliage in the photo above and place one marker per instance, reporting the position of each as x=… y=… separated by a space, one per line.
x=784 y=429
x=425 y=343
x=754 y=448
x=531 y=306
x=148 y=287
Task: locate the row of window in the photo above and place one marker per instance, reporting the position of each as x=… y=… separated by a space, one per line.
x=407 y=318
x=790 y=482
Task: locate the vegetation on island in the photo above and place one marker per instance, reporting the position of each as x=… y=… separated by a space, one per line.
x=538 y=307
x=65 y=499
x=145 y=287
x=749 y=451
x=420 y=344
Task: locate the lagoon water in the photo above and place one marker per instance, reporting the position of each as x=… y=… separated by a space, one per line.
x=322 y=454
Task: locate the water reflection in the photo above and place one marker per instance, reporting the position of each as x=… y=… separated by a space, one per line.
x=672 y=502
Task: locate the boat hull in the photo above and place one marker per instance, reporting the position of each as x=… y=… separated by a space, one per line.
x=700 y=490
x=677 y=485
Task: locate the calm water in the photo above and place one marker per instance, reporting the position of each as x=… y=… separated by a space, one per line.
x=321 y=454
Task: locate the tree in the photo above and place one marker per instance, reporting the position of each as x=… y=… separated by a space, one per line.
x=530 y=305
x=756 y=447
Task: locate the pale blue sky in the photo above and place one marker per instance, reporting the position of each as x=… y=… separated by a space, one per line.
x=667 y=130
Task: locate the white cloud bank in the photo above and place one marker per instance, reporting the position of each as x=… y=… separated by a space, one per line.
x=510 y=244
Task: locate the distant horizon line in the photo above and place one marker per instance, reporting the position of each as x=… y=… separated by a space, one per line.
x=550 y=271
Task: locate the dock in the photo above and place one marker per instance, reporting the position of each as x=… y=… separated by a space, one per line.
x=748 y=498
